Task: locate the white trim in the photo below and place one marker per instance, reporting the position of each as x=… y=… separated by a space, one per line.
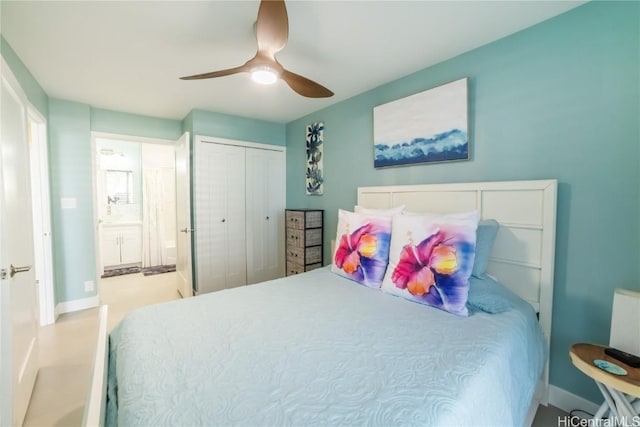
x=184 y=254
x=94 y=408
x=76 y=305
x=461 y=186
x=41 y=201
x=128 y=138
x=96 y=213
x=568 y=401
x=238 y=143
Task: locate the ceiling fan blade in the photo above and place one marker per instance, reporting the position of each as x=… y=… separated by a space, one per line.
x=220 y=73
x=272 y=26
x=304 y=86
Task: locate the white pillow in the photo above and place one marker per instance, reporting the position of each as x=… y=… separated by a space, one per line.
x=385 y=212
x=431 y=258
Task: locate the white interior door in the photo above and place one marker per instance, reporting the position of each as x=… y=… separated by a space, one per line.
x=265 y=214
x=19 y=342
x=220 y=216
x=236 y=240
x=183 y=217
x=41 y=215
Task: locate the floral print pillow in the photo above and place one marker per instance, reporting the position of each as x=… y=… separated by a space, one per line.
x=431 y=259
x=362 y=247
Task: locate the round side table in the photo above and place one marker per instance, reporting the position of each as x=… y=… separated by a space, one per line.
x=621 y=392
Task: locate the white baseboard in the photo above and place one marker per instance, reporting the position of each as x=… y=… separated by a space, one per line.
x=76 y=305
x=567 y=401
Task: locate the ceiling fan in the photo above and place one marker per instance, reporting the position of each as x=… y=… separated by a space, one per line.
x=272 y=32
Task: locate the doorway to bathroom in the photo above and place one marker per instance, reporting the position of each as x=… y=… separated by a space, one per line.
x=135 y=209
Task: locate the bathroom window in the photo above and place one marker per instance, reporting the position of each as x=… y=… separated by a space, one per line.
x=119 y=185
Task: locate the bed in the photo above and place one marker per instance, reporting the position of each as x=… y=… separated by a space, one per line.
x=319 y=349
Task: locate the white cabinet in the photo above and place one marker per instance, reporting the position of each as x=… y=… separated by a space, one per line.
x=239 y=220
x=121 y=244
x=110 y=247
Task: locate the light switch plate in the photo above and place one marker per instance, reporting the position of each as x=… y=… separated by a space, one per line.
x=89 y=286
x=68 y=202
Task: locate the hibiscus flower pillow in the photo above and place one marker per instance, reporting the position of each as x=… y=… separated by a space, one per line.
x=431 y=259
x=362 y=247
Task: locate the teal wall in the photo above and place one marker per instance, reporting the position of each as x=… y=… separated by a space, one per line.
x=31 y=87
x=233 y=127
x=71 y=177
x=558 y=100
x=134 y=124
x=187 y=123
x=70 y=127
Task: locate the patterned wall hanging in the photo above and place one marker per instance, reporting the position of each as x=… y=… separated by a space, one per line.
x=315 y=177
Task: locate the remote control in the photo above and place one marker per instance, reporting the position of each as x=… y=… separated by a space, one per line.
x=624 y=357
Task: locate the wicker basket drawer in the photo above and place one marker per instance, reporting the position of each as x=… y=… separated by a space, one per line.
x=294 y=219
x=295 y=237
x=293 y=268
x=304 y=236
x=295 y=255
x=314 y=219
x=313 y=266
x=313 y=237
x=313 y=255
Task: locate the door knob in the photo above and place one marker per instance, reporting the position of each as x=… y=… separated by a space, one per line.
x=186 y=230
x=224 y=220
x=15 y=270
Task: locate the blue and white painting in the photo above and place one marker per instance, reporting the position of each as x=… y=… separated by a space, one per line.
x=427 y=127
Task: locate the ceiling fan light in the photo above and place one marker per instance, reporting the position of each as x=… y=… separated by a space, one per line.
x=264 y=75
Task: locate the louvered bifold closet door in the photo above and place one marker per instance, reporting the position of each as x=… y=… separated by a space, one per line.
x=265 y=214
x=220 y=216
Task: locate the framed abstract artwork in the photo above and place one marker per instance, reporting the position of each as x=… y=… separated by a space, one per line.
x=314 y=171
x=427 y=127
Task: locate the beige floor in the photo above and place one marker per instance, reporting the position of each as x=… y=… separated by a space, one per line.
x=67 y=347
x=66 y=351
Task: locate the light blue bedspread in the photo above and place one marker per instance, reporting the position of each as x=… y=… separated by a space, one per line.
x=317 y=349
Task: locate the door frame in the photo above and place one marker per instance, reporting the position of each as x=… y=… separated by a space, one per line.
x=41 y=207
x=6 y=357
x=184 y=215
x=94 y=168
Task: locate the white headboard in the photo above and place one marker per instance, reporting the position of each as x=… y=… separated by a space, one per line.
x=524 y=252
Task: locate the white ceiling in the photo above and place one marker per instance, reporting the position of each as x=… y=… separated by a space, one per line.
x=128 y=55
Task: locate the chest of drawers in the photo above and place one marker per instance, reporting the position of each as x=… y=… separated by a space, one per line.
x=304 y=228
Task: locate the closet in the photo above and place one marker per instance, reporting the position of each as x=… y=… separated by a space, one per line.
x=239 y=200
